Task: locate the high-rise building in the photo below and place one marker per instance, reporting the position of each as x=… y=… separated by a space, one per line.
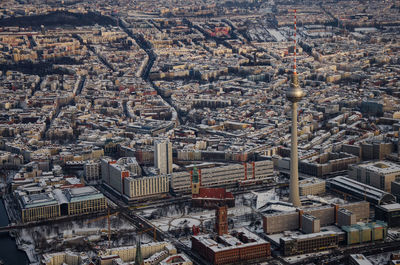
x=294 y=95
x=114 y=172
x=163 y=156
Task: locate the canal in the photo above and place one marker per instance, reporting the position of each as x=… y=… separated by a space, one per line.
x=9 y=253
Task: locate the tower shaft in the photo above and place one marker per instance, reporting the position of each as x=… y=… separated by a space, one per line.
x=294 y=163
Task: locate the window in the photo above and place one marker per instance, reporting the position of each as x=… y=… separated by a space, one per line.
x=382 y=182
x=358 y=174
x=367 y=178
x=397 y=178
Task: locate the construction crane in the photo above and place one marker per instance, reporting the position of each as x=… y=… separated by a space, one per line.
x=149 y=229
x=108 y=221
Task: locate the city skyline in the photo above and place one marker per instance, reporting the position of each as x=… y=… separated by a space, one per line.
x=212 y=132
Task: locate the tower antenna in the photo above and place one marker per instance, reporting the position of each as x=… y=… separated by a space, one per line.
x=295 y=42
x=294 y=94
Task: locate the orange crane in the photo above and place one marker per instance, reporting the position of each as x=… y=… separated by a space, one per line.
x=108 y=221
x=149 y=229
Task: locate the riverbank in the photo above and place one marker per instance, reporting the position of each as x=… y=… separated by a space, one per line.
x=9 y=251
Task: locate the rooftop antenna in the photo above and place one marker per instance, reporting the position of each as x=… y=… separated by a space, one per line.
x=294 y=95
x=295 y=42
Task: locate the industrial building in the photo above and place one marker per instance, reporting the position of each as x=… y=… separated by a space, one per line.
x=163 y=156
x=239 y=246
x=359 y=190
x=377 y=174
x=389 y=213
x=311 y=186
x=249 y=173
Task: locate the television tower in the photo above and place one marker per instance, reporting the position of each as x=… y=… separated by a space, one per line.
x=294 y=95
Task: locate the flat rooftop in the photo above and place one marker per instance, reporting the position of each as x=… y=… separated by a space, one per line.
x=310 y=182
x=230 y=241
x=82 y=194
x=391 y=207
x=383 y=167
x=38 y=200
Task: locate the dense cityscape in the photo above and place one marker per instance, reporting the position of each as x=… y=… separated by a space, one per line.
x=199 y=132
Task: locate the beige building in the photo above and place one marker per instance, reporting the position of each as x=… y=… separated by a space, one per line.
x=377 y=174
x=113 y=172
x=312 y=186
x=61 y=258
x=84 y=200
x=128 y=254
x=92 y=171
x=146 y=186
x=163 y=156
x=225 y=175
x=37 y=207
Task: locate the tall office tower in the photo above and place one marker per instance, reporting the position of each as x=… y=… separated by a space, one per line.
x=294 y=95
x=163 y=156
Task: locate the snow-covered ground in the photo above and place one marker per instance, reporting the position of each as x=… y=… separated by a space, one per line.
x=81 y=235
x=380 y=259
